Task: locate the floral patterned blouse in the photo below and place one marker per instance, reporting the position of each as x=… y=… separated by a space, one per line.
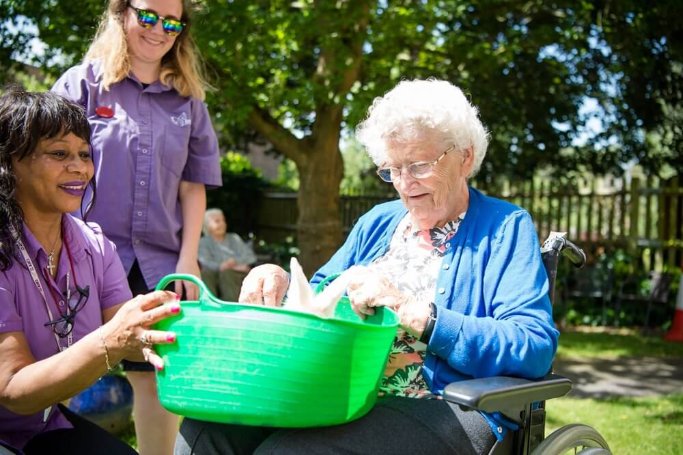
x=412 y=265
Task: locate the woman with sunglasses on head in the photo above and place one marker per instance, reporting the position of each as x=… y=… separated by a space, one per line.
x=66 y=314
x=462 y=270
x=155 y=151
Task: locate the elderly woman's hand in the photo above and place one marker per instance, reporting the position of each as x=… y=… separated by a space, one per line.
x=369 y=290
x=265 y=285
x=129 y=334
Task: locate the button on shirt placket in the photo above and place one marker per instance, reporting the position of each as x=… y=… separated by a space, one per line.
x=143 y=169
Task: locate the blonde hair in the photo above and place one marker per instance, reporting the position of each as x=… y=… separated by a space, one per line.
x=181 y=67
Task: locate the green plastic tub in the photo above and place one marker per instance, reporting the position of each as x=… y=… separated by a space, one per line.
x=255 y=365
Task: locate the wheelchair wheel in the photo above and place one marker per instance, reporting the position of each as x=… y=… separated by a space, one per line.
x=574 y=438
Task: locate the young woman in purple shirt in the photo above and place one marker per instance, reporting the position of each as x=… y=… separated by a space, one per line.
x=66 y=314
x=155 y=151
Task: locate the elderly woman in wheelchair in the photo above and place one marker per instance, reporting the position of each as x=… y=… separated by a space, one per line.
x=462 y=270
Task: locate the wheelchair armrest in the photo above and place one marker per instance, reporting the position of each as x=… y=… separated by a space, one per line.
x=500 y=393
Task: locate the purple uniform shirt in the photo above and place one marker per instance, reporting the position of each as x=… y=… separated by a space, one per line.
x=22 y=307
x=145 y=141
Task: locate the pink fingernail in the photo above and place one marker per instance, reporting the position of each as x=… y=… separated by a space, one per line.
x=177 y=297
x=159 y=366
x=170 y=337
x=175 y=309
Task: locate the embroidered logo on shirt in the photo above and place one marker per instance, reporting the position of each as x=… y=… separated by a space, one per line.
x=181 y=120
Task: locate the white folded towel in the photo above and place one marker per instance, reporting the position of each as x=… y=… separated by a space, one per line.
x=300 y=296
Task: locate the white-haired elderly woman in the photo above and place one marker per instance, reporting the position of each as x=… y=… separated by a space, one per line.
x=225 y=258
x=462 y=270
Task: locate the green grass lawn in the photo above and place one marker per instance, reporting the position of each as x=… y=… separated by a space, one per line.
x=128 y=435
x=583 y=342
x=631 y=426
x=644 y=425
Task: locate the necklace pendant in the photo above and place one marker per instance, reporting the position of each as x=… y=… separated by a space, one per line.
x=51 y=264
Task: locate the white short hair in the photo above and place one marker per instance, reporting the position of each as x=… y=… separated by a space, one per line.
x=207 y=215
x=423 y=110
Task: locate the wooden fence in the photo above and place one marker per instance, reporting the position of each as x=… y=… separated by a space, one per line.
x=643 y=216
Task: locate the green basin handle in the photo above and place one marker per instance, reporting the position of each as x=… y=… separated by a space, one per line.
x=184 y=277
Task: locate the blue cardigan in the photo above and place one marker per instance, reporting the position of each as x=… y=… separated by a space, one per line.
x=494 y=315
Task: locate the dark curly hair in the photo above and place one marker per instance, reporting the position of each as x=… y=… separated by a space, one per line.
x=26 y=118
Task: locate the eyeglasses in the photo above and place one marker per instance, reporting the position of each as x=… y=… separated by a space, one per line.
x=63 y=326
x=148 y=19
x=417 y=170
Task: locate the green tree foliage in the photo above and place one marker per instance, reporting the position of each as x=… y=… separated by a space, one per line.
x=645 y=41
x=241 y=192
x=298 y=72
x=360 y=176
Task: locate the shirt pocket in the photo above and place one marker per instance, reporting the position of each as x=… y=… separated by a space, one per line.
x=100 y=126
x=174 y=155
x=105 y=138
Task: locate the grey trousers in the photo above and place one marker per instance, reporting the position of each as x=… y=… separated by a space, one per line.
x=394 y=426
x=225 y=285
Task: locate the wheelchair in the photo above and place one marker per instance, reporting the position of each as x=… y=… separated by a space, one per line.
x=523 y=400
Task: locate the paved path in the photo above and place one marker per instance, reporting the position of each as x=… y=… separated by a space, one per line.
x=636 y=377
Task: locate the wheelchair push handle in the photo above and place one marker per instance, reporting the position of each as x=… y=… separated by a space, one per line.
x=575 y=254
x=557 y=243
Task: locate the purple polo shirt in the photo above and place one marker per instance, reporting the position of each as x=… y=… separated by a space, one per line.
x=145 y=141
x=22 y=308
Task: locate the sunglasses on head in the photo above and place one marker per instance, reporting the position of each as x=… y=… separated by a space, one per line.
x=148 y=19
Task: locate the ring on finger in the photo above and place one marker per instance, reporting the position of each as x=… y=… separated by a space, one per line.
x=144 y=338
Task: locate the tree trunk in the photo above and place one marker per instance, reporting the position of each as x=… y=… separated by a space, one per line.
x=319 y=230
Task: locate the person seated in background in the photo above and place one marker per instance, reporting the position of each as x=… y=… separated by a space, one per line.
x=224 y=257
x=67 y=315
x=462 y=270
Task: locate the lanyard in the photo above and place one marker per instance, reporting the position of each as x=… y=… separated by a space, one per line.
x=39 y=286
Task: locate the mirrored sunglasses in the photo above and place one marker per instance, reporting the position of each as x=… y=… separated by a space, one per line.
x=148 y=19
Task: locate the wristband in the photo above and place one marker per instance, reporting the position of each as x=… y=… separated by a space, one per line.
x=429 y=327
